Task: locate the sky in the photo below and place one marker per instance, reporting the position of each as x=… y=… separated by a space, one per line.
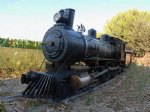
x=30 y=19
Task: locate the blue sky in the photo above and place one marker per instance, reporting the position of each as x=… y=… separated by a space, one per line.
x=30 y=19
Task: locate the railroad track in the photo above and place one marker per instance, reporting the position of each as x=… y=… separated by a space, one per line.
x=87 y=90
x=11 y=101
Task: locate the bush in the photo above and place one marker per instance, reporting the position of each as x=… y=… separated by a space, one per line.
x=132 y=26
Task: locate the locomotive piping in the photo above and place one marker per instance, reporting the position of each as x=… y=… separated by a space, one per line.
x=86 y=45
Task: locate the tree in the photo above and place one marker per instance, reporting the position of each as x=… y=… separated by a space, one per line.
x=132 y=26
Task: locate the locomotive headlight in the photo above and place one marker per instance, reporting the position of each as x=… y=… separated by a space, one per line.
x=60 y=17
x=57 y=17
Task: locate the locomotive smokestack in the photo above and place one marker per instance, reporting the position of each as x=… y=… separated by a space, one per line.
x=70 y=13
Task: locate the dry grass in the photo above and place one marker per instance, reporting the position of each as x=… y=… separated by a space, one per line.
x=144 y=61
x=15 y=61
x=32 y=102
x=4 y=93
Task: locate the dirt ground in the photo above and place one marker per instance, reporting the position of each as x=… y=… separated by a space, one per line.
x=118 y=95
x=128 y=92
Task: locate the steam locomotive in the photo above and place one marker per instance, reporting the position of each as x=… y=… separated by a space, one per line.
x=74 y=61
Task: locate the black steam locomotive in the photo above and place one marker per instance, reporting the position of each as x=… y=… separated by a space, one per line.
x=74 y=61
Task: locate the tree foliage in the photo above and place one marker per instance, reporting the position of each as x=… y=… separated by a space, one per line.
x=132 y=26
x=14 y=43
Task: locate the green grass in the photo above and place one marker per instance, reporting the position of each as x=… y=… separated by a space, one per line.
x=143 y=81
x=2 y=83
x=138 y=77
x=15 y=61
x=89 y=100
x=2 y=107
